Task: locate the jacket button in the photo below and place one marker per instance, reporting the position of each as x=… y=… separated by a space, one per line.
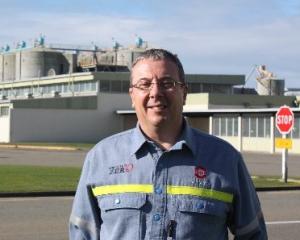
x=117 y=201
x=158 y=190
x=200 y=205
x=156 y=217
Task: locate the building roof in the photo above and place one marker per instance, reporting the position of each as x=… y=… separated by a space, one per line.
x=204 y=112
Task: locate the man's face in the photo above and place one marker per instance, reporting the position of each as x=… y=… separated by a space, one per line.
x=157 y=107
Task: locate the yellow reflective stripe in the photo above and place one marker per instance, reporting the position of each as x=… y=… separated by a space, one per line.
x=200 y=192
x=124 y=188
x=173 y=190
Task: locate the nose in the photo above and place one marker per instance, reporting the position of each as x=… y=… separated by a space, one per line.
x=155 y=90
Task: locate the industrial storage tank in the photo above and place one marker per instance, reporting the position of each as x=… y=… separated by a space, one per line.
x=31 y=64
x=55 y=63
x=71 y=62
x=270 y=86
x=268 y=83
x=1 y=67
x=34 y=63
x=7 y=66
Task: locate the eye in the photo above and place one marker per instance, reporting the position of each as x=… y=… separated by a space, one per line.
x=144 y=84
x=168 y=84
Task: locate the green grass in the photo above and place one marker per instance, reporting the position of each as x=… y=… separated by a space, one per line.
x=264 y=182
x=38 y=178
x=43 y=179
x=56 y=144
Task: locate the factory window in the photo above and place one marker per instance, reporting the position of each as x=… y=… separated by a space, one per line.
x=220 y=88
x=94 y=86
x=36 y=90
x=59 y=88
x=5 y=92
x=207 y=88
x=296 y=129
x=4 y=111
x=256 y=126
x=194 y=87
x=225 y=126
x=76 y=87
x=45 y=89
x=66 y=87
x=51 y=88
x=82 y=86
x=104 y=86
x=116 y=86
x=215 y=126
x=125 y=86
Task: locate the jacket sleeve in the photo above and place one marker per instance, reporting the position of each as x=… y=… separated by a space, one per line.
x=247 y=220
x=84 y=223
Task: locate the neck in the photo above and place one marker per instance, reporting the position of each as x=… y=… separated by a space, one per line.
x=165 y=136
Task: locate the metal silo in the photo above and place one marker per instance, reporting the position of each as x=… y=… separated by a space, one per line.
x=32 y=63
x=9 y=66
x=56 y=63
x=277 y=86
x=270 y=86
x=1 y=67
x=71 y=63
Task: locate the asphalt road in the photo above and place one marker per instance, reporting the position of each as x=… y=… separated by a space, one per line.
x=46 y=218
x=41 y=157
x=257 y=163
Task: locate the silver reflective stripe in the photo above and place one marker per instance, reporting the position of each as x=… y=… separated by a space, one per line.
x=251 y=226
x=83 y=224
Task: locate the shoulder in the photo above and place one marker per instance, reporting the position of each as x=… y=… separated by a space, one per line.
x=210 y=141
x=110 y=150
x=214 y=151
x=119 y=140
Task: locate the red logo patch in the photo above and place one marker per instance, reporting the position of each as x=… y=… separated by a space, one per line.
x=200 y=172
x=128 y=167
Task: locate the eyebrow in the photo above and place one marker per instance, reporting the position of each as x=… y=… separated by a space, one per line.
x=160 y=79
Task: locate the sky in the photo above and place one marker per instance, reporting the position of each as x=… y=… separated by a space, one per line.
x=210 y=37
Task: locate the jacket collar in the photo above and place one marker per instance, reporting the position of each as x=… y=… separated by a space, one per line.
x=186 y=139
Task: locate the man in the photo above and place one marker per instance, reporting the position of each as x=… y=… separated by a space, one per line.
x=164 y=179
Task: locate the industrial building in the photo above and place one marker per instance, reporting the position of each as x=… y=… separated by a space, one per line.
x=78 y=94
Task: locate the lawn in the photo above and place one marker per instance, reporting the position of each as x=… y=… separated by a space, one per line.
x=47 y=179
x=264 y=182
x=38 y=178
x=84 y=146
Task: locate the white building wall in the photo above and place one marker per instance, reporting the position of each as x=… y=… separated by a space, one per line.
x=4 y=129
x=256 y=144
x=260 y=144
x=69 y=125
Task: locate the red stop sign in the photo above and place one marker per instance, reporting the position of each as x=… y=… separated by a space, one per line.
x=284 y=120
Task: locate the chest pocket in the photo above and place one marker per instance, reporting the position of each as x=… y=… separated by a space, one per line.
x=201 y=217
x=122 y=215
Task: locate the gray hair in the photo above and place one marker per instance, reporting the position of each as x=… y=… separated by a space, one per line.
x=161 y=54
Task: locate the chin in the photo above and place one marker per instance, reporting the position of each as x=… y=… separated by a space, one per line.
x=158 y=121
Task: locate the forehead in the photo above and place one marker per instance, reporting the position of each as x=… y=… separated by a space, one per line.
x=149 y=68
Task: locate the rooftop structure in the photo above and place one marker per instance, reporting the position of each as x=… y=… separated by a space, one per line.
x=78 y=93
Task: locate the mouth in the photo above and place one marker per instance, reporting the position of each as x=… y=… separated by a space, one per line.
x=157 y=107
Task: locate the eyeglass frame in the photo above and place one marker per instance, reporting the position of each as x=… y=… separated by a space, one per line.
x=160 y=84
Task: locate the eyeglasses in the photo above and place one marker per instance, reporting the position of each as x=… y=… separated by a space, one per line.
x=166 y=85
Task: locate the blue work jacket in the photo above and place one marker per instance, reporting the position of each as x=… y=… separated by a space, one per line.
x=130 y=189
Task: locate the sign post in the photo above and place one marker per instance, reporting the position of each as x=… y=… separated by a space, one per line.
x=284 y=124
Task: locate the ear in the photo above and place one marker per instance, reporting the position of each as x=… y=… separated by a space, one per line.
x=131 y=96
x=185 y=91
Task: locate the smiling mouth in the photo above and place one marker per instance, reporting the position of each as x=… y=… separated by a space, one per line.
x=158 y=107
